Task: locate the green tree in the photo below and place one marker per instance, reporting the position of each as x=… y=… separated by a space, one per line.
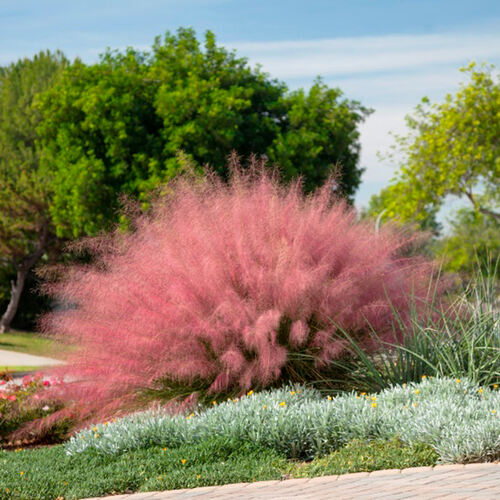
x=320 y=131
x=452 y=148
x=473 y=239
x=74 y=140
x=26 y=232
x=117 y=126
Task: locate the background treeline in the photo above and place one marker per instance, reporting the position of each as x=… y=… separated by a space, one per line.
x=75 y=137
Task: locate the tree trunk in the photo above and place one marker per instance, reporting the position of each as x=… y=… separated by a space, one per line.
x=22 y=271
x=16 y=288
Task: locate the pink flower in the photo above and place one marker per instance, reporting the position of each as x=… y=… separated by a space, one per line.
x=46 y=383
x=12 y=397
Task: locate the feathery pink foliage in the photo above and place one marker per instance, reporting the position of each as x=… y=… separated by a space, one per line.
x=221 y=282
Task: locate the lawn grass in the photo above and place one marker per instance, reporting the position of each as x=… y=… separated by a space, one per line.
x=22 y=368
x=29 y=343
x=48 y=473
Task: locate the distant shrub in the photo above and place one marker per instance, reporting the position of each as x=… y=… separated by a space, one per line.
x=221 y=284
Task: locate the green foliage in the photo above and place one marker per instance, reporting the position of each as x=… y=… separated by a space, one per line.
x=118 y=126
x=452 y=148
x=474 y=240
x=25 y=192
x=320 y=134
x=362 y=456
x=26 y=231
x=460 y=341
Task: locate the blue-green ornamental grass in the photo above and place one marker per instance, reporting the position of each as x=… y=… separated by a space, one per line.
x=459 y=419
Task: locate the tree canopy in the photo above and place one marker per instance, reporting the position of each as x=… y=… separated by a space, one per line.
x=117 y=126
x=452 y=148
x=26 y=230
x=75 y=137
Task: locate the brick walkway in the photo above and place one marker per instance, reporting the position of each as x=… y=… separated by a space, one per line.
x=456 y=482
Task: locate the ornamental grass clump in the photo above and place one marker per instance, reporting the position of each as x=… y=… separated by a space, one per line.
x=218 y=287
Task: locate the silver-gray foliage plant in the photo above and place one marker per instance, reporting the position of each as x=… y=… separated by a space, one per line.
x=459 y=419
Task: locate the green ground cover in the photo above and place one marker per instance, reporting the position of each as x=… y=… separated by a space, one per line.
x=289 y=432
x=49 y=473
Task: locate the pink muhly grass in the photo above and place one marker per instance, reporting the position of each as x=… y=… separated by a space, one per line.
x=220 y=283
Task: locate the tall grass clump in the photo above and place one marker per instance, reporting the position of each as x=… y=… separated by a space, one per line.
x=459 y=341
x=220 y=284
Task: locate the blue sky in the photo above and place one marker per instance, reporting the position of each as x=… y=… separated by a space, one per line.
x=386 y=53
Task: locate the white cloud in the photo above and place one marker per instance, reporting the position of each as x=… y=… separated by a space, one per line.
x=389 y=73
x=341 y=56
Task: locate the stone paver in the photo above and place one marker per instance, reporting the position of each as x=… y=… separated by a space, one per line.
x=473 y=481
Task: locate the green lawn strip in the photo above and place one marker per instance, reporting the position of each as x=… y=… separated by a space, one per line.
x=48 y=473
x=15 y=369
x=30 y=343
x=362 y=456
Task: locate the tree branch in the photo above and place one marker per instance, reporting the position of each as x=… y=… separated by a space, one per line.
x=479 y=208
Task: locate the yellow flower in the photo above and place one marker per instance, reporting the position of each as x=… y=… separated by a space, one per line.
x=363 y=394
x=424 y=377
x=493 y=411
x=495 y=386
x=249 y=393
x=417 y=392
x=214 y=402
x=357 y=396
x=106 y=423
x=405 y=407
x=404 y=384
x=96 y=435
x=292 y=393
x=198 y=476
x=265 y=406
x=374 y=405
x=282 y=403
x=160 y=477
x=329 y=398
x=183 y=461
x=95 y=429
x=457 y=381
x=415 y=405
x=21 y=473
x=480 y=390
x=165 y=449
x=298 y=391
x=235 y=400
x=374 y=398
x=7 y=490
x=190 y=416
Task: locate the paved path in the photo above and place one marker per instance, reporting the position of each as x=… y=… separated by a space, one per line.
x=13 y=358
x=473 y=481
